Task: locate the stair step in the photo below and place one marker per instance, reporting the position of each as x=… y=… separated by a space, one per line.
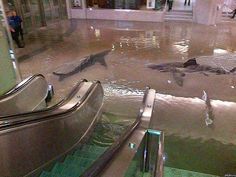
x=86 y=154
x=177 y=13
x=178 y=19
x=185 y=17
x=92 y=148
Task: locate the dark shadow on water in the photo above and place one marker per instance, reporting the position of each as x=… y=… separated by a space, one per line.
x=86 y=63
x=180 y=69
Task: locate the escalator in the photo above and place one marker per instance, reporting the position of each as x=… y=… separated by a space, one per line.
x=61 y=141
x=91 y=157
x=30 y=141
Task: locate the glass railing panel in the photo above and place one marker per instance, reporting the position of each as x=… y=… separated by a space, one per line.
x=145 y=161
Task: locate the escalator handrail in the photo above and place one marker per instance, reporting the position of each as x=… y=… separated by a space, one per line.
x=20 y=86
x=101 y=162
x=17 y=123
x=52 y=108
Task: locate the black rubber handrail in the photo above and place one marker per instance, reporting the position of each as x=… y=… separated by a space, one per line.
x=19 y=86
x=47 y=110
x=16 y=123
x=101 y=162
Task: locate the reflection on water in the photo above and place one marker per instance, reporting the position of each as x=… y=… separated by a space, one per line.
x=109 y=129
x=148 y=40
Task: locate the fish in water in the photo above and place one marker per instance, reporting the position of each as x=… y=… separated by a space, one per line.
x=179 y=69
x=85 y=63
x=209 y=116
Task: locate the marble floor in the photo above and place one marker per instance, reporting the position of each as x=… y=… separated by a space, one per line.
x=123 y=54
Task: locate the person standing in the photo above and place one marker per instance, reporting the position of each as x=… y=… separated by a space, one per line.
x=13 y=29
x=185 y=2
x=18 y=21
x=170 y=4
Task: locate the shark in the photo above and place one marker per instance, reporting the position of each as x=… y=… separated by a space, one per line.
x=180 y=69
x=86 y=62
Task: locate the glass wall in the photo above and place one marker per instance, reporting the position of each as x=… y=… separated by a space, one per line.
x=127 y=4
x=37 y=13
x=7 y=72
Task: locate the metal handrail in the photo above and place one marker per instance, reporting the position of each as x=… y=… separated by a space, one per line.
x=20 y=86
x=49 y=109
x=12 y=124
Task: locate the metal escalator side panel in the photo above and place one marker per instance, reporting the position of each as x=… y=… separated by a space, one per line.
x=71 y=104
x=28 y=98
x=46 y=111
x=28 y=147
x=20 y=86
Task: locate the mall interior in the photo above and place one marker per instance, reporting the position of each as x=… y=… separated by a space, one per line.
x=117 y=88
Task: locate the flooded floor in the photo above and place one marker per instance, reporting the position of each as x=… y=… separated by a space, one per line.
x=121 y=56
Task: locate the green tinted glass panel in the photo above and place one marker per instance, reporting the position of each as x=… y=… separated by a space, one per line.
x=7 y=73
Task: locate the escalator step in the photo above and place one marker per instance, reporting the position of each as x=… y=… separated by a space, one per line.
x=45 y=174
x=95 y=149
x=83 y=162
x=72 y=171
x=69 y=159
x=57 y=169
x=85 y=154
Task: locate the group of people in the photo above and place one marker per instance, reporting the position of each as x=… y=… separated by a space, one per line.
x=170 y=3
x=15 y=25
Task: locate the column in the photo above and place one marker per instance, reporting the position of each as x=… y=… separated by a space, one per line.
x=9 y=73
x=207 y=11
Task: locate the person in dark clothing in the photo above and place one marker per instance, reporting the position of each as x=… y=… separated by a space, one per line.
x=13 y=29
x=170 y=4
x=18 y=21
x=234 y=13
x=185 y=2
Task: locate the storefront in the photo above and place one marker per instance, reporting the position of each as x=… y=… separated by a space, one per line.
x=37 y=13
x=135 y=10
